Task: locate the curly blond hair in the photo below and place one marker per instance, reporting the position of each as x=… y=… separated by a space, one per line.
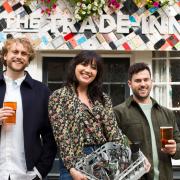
x=24 y=41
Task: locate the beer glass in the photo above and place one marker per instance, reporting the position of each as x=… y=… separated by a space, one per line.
x=11 y=119
x=166 y=133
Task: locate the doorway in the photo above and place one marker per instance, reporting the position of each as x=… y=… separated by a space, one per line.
x=114 y=79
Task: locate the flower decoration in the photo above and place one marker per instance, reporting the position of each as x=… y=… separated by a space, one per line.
x=156 y=3
x=86 y=8
x=47 y=6
x=114 y=4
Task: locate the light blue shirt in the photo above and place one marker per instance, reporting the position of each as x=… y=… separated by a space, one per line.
x=146 y=108
x=12 y=155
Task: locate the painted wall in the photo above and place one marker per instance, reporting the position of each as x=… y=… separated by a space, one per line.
x=36 y=71
x=47 y=35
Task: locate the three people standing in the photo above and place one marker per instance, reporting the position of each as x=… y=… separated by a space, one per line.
x=81 y=116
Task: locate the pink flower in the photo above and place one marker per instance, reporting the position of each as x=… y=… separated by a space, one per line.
x=114 y=3
x=48 y=11
x=156 y=4
x=54 y=6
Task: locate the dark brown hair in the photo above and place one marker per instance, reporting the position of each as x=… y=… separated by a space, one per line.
x=137 y=67
x=95 y=88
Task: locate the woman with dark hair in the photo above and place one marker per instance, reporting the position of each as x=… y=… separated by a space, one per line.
x=81 y=114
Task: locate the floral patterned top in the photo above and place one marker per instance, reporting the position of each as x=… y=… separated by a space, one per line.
x=76 y=126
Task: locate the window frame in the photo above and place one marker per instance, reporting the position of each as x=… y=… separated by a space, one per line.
x=168 y=82
x=104 y=55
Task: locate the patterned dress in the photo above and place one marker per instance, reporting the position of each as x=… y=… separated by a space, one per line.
x=75 y=126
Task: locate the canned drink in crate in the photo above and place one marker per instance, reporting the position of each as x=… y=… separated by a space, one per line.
x=113 y=166
x=112 y=162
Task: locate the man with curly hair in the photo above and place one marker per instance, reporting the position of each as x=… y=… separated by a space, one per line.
x=27 y=148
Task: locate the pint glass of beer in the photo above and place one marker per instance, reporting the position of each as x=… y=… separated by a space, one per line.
x=166 y=133
x=11 y=119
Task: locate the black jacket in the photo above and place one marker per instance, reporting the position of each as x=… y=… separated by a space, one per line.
x=39 y=143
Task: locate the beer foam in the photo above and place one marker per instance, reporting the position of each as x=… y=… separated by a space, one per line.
x=166 y=127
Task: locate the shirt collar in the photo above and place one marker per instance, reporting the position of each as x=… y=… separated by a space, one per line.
x=130 y=101
x=28 y=80
x=17 y=82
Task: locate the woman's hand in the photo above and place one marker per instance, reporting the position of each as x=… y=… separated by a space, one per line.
x=4 y=113
x=77 y=175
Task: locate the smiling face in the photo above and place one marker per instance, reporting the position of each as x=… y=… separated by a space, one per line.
x=141 y=85
x=17 y=58
x=86 y=72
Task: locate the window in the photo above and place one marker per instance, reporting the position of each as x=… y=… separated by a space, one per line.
x=166 y=76
x=54 y=69
x=115 y=79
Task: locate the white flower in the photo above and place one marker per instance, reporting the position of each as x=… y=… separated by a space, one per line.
x=78 y=4
x=94 y=8
x=77 y=17
x=76 y=10
x=102 y=2
x=95 y=3
x=100 y=11
x=83 y=12
x=89 y=6
x=84 y=6
x=164 y=1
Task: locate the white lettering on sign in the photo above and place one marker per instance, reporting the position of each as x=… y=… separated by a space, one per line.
x=107 y=24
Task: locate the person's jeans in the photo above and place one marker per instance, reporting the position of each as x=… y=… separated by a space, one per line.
x=64 y=174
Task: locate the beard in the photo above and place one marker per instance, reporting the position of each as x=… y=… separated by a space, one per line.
x=140 y=97
x=16 y=68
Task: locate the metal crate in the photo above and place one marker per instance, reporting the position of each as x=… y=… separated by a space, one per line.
x=112 y=162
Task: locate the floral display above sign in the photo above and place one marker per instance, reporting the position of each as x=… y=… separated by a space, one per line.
x=85 y=8
x=130 y=26
x=47 y=6
x=156 y=3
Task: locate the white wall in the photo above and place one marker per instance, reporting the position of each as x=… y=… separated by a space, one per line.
x=142 y=56
x=35 y=67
